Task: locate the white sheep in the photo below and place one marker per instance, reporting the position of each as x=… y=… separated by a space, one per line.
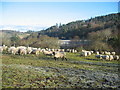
x=5 y=47
x=111 y=57
x=116 y=57
x=48 y=53
x=29 y=50
x=84 y=54
x=88 y=53
x=107 y=53
x=13 y=50
x=113 y=53
x=22 y=51
x=97 y=53
x=61 y=55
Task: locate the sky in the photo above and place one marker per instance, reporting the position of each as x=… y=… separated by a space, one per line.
x=46 y=14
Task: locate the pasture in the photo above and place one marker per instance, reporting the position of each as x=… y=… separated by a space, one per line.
x=31 y=71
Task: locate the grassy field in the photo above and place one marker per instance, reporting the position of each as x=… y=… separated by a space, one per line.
x=31 y=71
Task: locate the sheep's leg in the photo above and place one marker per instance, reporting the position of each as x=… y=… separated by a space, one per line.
x=66 y=59
x=55 y=58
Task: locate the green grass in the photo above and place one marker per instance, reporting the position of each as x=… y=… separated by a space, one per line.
x=16 y=73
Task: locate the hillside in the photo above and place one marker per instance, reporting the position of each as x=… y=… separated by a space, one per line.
x=82 y=28
x=7 y=35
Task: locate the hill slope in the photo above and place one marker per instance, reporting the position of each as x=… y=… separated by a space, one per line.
x=82 y=28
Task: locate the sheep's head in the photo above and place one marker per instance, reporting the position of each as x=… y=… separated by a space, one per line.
x=53 y=53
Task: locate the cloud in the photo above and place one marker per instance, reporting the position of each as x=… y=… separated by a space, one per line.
x=22 y=28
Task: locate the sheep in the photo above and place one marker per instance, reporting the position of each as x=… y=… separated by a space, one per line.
x=83 y=50
x=13 y=50
x=116 y=57
x=29 y=50
x=113 y=53
x=107 y=53
x=88 y=53
x=92 y=52
x=35 y=51
x=106 y=57
x=111 y=57
x=61 y=55
x=84 y=54
x=99 y=56
x=48 y=53
x=97 y=53
x=4 y=47
x=76 y=51
x=20 y=47
x=103 y=52
x=22 y=51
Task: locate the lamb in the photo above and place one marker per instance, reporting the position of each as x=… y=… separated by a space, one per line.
x=61 y=55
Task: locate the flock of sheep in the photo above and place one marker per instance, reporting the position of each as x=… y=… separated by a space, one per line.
x=101 y=55
x=57 y=53
x=22 y=50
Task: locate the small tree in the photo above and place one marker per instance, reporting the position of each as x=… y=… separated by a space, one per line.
x=14 y=40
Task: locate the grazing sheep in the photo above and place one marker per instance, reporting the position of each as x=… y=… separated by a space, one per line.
x=116 y=57
x=97 y=53
x=20 y=47
x=106 y=57
x=103 y=52
x=98 y=56
x=29 y=50
x=22 y=51
x=83 y=50
x=92 y=52
x=48 y=53
x=4 y=47
x=76 y=51
x=84 y=54
x=89 y=53
x=107 y=53
x=35 y=51
x=13 y=50
x=113 y=53
x=61 y=55
x=111 y=57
